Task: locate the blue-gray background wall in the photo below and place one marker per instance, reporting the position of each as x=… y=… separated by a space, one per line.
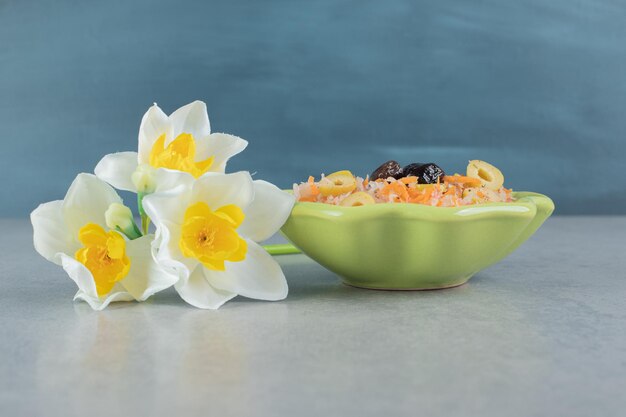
x=536 y=87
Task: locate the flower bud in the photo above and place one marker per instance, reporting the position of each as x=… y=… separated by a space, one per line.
x=143 y=179
x=119 y=217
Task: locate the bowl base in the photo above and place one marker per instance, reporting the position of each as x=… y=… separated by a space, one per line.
x=443 y=287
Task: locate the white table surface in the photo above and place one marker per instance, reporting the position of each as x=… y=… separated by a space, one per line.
x=542 y=333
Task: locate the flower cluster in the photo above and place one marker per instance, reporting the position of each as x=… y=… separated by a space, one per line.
x=207 y=224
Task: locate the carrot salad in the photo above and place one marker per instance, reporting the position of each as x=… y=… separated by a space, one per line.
x=429 y=186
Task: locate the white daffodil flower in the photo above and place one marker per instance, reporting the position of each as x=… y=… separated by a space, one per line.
x=180 y=142
x=105 y=266
x=207 y=234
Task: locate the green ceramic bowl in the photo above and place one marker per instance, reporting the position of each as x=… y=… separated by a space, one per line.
x=412 y=246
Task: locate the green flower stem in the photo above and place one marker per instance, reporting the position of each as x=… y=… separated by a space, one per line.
x=145 y=224
x=281 y=249
x=145 y=220
x=136 y=230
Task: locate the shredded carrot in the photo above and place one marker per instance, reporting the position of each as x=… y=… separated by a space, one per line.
x=308 y=198
x=414 y=193
x=419 y=199
x=408 y=180
x=396 y=188
x=450 y=191
x=421 y=196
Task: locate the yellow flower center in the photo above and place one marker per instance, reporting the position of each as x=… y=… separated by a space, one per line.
x=210 y=236
x=180 y=155
x=104 y=255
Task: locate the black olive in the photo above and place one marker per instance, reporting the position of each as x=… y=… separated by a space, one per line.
x=425 y=173
x=386 y=170
x=411 y=169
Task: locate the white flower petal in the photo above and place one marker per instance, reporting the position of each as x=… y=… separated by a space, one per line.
x=167 y=179
x=199 y=293
x=192 y=118
x=145 y=277
x=267 y=213
x=153 y=124
x=258 y=276
x=166 y=251
x=98 y=304
x=80 y=275
x=167 y=211
x=86 y=202
x=218 y=190
x=117 y=169
x=168 y=205
x=50 y=234
x=221 y=146
x=87 y=286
